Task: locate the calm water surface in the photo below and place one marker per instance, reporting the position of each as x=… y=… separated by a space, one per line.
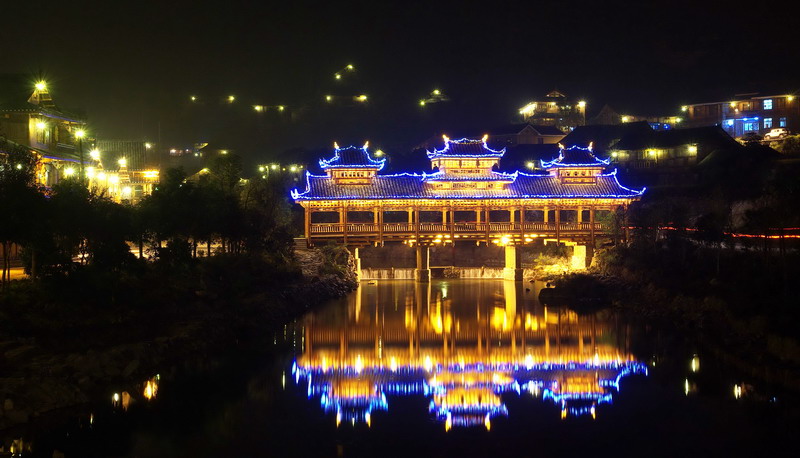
x=452 y=368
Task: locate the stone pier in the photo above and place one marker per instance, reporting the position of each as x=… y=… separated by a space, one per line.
x=423 y=271
x=513 y=267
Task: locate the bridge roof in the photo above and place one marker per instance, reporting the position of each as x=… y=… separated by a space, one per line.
x=414 y=186
x=575 y=156
x=466 y=147
x=351 y=157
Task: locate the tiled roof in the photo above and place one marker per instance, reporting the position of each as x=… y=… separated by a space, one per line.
x=410 y=186
x=352 y=156
x=488 y=176
x=465 y=147
x=604 y=136
x=575 y=156
x=712 y=137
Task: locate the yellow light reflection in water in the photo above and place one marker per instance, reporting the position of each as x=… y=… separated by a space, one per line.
x=462 y=350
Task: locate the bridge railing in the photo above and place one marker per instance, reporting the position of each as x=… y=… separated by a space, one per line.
x=457 y=228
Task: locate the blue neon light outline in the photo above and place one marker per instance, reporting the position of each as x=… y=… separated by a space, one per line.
x=296 y=195
x=443 y=152
x=329 y=164
x=557 y=161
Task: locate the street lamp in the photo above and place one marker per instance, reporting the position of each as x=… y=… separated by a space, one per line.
x=79 y=134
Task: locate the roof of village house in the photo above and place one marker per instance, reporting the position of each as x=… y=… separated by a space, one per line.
x=711 y=136
x=604 y=136
x=351 y=157
x=466 y=147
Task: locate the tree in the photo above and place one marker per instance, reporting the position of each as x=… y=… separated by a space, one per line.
x=20 y=201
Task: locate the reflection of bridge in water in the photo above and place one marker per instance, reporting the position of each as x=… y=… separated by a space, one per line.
x=462 y=345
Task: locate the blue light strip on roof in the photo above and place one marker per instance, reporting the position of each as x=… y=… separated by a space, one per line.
x=557 y=161
x=326 y=164
x=444 y=152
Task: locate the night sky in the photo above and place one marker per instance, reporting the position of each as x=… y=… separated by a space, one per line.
x=131 y=69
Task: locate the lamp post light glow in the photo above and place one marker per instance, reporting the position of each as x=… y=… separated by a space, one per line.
x=193 y=98
x=422 y=103
x=362 y=98
x=69 y=171
x=231 y=98
x=41 y=125
x=328 y=98
x=684 y=108
x=122 y=162
x=41 y=86
x=582 y=104
x=94 y=154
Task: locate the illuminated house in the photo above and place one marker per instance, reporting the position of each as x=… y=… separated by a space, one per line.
x=464 y=199
x=746 y=113
x=128 y=170
x=462 y=357
x=555 y=110
x=30 y=117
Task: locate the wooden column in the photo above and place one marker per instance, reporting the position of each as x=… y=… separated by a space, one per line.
x=452 y=223
x=546 y=214
x=308 y=226
x=558 y=224
x=591 y=225
x=522 y=223
x=416 y=224
x=580 y=215
x=486 y=217
x=380 y=224
x=344 y=223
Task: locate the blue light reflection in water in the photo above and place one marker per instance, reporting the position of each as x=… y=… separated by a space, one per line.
x=461 y=356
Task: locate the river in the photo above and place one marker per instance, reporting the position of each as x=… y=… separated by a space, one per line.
x=450 y=368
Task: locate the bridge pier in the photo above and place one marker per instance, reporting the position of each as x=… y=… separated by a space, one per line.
x=422 y=273
x=513 y=266
x=357 y=261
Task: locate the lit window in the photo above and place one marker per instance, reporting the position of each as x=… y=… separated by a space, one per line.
x=767 y=123
x=750 y=126
x=782 y=122
x=767 y=104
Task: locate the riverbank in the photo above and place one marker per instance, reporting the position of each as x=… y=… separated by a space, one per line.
x=61 y=353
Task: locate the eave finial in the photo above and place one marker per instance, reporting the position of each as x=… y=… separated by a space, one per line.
x=591 y=145
x=446 y=138
x=366 y=144
x=335 y=145
x=485 y=137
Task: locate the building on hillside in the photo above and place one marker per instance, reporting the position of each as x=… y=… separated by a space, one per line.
x=508 y=136
x=128 y=170
x=648 y=157
x=669 y=157
x=609 y=116
x=604 y=137
x=30 y=117
x=555 y=110
x=746 y=113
